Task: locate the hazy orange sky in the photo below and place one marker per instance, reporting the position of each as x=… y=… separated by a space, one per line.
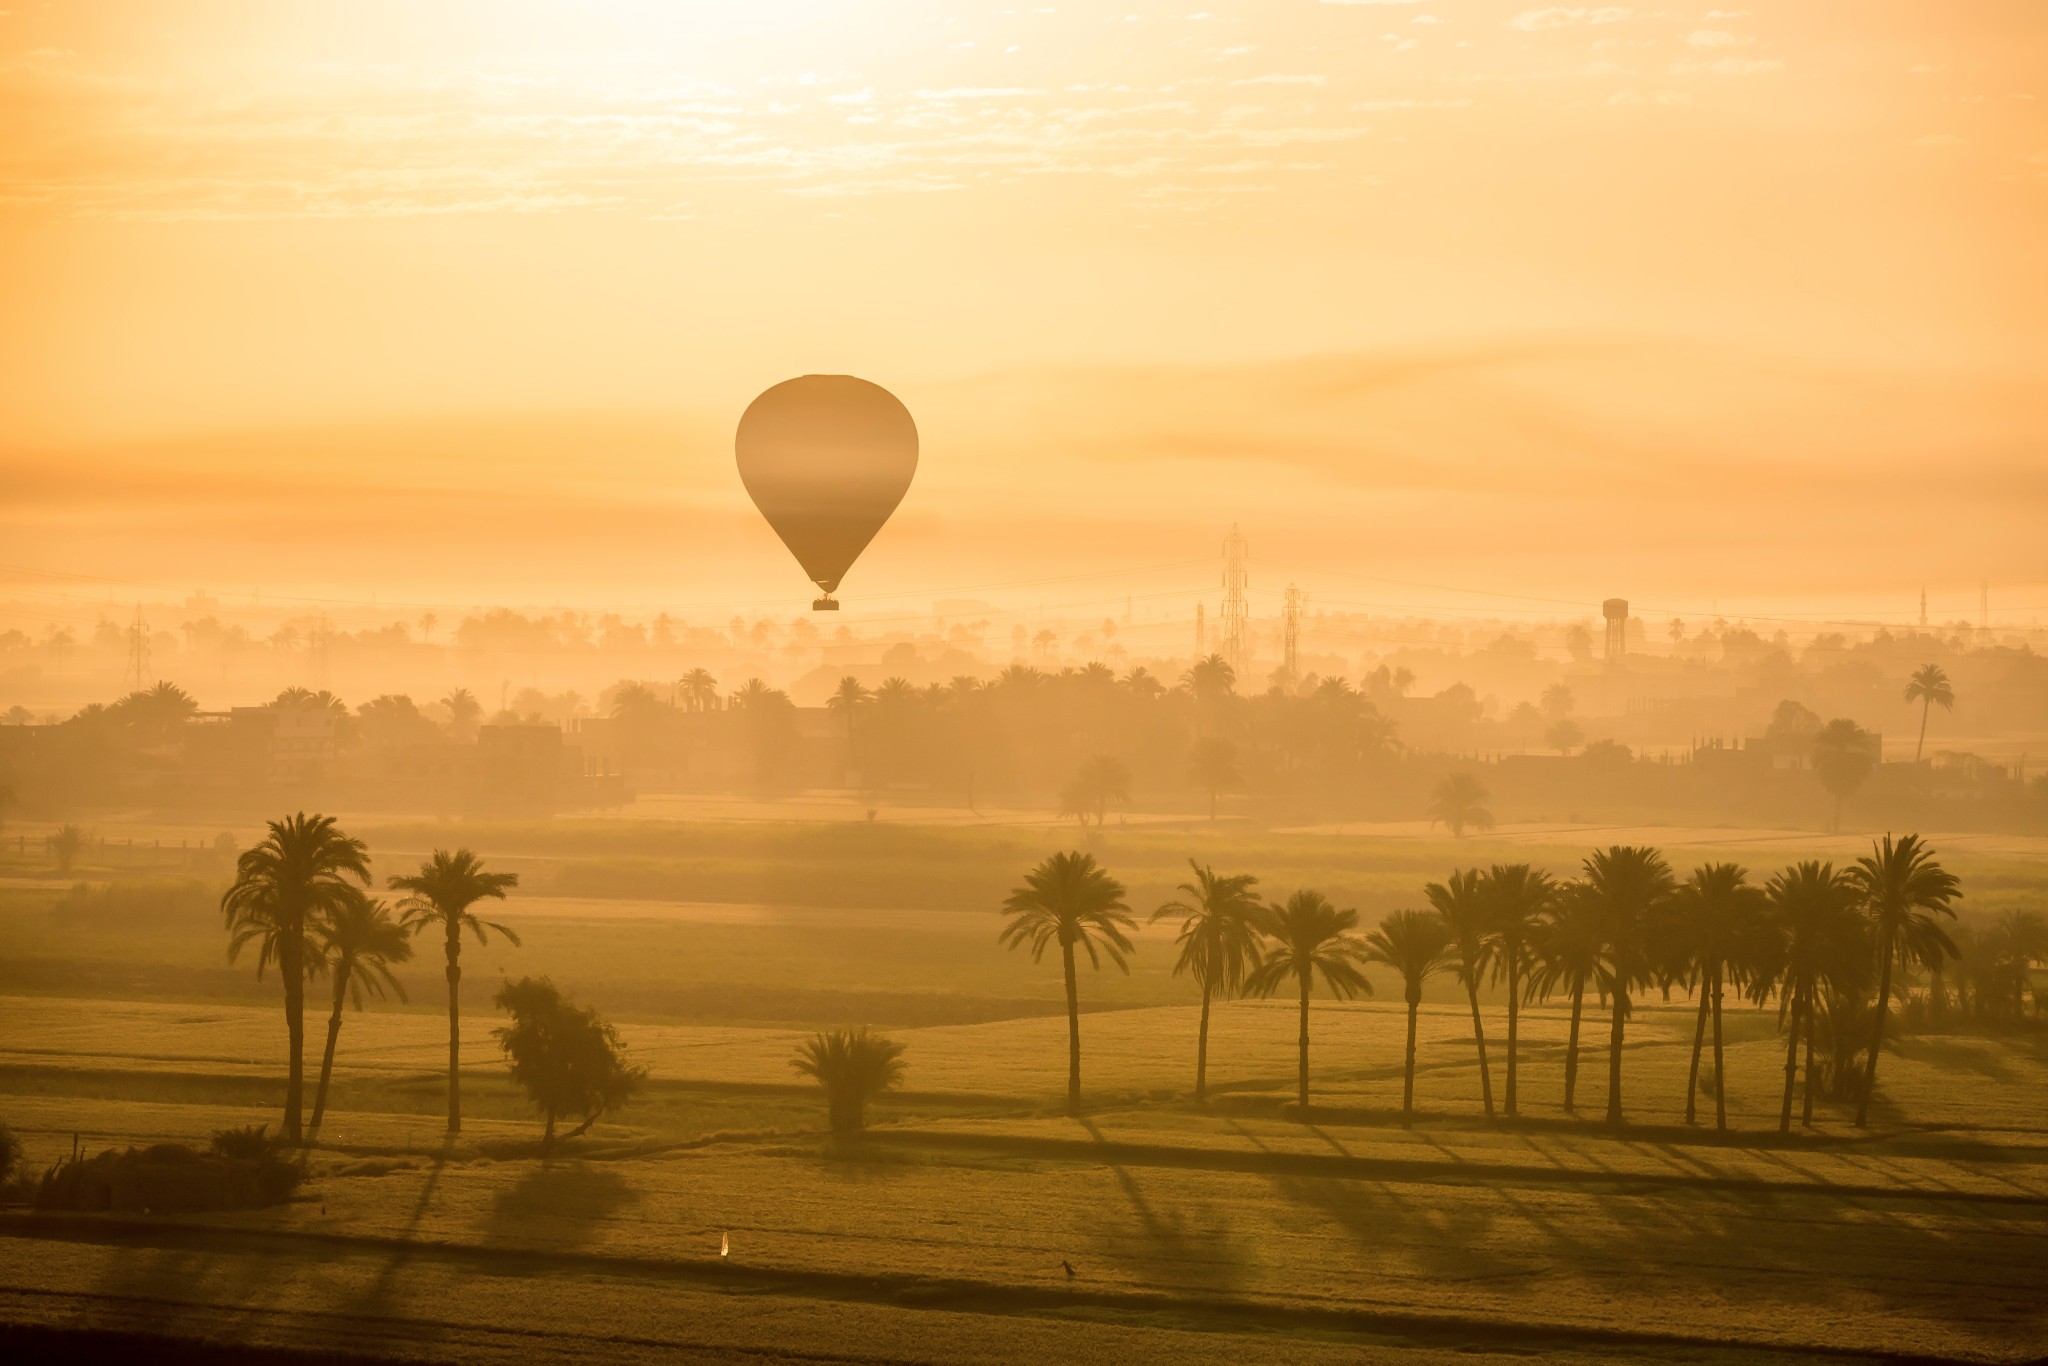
x=440 y=298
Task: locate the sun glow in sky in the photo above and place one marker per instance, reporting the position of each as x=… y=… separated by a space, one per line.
x=465 y=298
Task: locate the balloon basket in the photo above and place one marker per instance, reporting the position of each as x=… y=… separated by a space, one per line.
x=825 y=604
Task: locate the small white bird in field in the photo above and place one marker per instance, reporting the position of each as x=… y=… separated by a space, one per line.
x=724 y=1244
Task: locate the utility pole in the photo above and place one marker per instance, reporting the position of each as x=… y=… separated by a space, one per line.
x=1290 y=634
x=1234 y=612
x=138 y=653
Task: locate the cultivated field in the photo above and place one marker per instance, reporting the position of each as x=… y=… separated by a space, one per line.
x=1240 y=1230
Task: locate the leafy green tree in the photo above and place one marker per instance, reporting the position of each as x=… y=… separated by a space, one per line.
x=303 y=871
x=568 y=1060
x=359 y=941
x=1816 y=928
x=1713 y=938
x=1903 y=889
x=1219 y=935
x=1517 y=895
x=855 y=1067
x=1101 y=782
x=439 y=896
x=1627 y=888
x=1309 y=937
x=1458 y=802
x=1466 y=911
x=1070 y=900
x=1412 y=943
x=1843 y=755
x=1930 y=687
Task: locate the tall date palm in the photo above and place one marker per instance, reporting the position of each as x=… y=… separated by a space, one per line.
x=1465 y=909
x=1715 y=922
x=1070 y=900
x=1218 y=942
x=1903 y=889
x=1310 y=937
x=439 y=896
x=1517 y=895
x=1412 y=943
x=360 y=941
x=297 y=876
x=1816 y=928
x=1627 y=888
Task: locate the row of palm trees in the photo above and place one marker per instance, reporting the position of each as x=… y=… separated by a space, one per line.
x=301 y=897
x=1825 y=943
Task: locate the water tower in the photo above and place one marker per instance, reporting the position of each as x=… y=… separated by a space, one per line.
x=1616 y=612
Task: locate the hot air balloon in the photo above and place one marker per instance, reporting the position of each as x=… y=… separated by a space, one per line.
x=826 y=458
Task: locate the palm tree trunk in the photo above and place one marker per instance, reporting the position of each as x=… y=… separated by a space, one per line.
x=1720 y=1072
x=1884 y=1000
x=1925 y=703
x=1514 y=1016
x=1408 y=1072
x=1699 y=1039
x=1202 y=1051
x=1073 y=1033
x=341 y=971
x=1791 y=1069
x=1302 y=1085
x=455 y=1036
x=292 y=967
x=1479 y=1034
x=1806 y=1103
x=1571 y=1049
x=1614 y=1038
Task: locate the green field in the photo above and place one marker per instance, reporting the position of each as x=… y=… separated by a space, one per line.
x=1196 y=1234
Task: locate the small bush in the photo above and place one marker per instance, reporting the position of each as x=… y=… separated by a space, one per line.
x=252 y=1141
x=167 y=1178
x=10 y=1153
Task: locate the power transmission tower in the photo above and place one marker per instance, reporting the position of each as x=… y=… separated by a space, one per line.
x=1201 y=634
x=138 y=653
x=1234 y=613
x=1290 y=633
x=1923 y=609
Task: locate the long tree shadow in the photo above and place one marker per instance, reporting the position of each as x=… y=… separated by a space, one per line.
x=1176 y=1247
x=557 y=1205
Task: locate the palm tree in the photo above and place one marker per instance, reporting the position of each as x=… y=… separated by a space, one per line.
x=1518 y=895
x=1929 y=687
x=1459 y=801
x=1462 y=904
x=464 y=712
x=441 y=893
x=855 y=1067
x=1570 y=954
x=297 y=876
x=1412 y=943
x=66 y=843
x=1210 y=680
x=1843 y=755
x=1903 y=890
x=1715 y=921
x=699 y=690
x=1814 y=920
x=1069 y=899
x=1309 y=936
x=1212 y=766
x=1218 y=944
x=1627 y=888
x=360 y=941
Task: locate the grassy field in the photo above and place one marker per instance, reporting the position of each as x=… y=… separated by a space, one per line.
x=1196 y=1234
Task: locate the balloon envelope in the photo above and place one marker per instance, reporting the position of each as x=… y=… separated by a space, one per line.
x=826 y=458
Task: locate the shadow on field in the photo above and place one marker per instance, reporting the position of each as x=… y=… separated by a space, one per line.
x=557 y=1204
x=1183 y=1245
